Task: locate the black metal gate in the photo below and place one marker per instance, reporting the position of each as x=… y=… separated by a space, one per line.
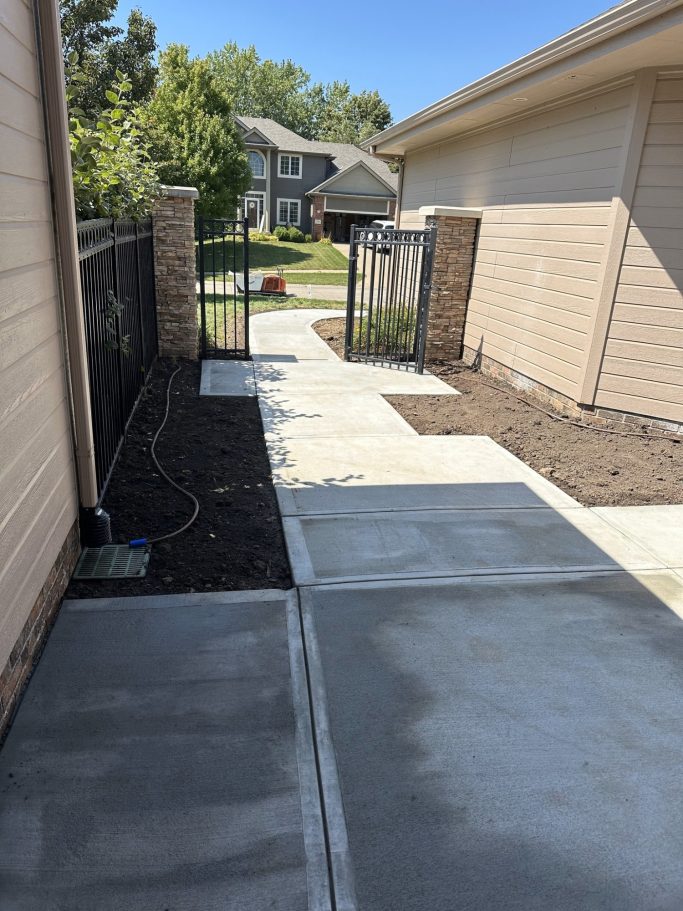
x=223 y=269
x=390 y=274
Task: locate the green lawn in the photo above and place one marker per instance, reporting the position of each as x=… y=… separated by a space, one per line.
x=317 y=278
x=235 y=334
x=271 y=256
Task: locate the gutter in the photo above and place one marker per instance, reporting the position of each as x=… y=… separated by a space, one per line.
x=48 y=35
x=613 y=22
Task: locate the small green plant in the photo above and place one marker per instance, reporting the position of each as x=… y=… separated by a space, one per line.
x=113 y=174
x=112 y=340
x=392 y=335
x=296 y=236
x=309 y=238
x=326 y=240
x=281 y=233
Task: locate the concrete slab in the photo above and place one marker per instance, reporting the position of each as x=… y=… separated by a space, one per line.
x=330 y=415
x=365 y=474
x=275 y=379
x=162 y=758
x=657 y=528
x=508 y=745
x=227 y=378
x=286 y=335
x=386 y=545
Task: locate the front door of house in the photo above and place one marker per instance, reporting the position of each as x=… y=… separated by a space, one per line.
x=254 y=205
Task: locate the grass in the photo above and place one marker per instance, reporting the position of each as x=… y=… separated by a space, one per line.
x=317 y=278
x=274 y=255
x=256 y=305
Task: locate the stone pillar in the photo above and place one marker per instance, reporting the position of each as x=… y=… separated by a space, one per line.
x=175 y=272
x=451 y=278
x=318 y=220
x=392 y=209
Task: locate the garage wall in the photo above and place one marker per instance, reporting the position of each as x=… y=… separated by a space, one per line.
x=545 y=184
x=38 y=502
x=642 y=370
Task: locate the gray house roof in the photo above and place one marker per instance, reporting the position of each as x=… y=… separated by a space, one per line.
x=342 y=155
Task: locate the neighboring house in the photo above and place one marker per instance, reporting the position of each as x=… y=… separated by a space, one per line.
x=571 y=160
x=322 y=188
x=46 y=445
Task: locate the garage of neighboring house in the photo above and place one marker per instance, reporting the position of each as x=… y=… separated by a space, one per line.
x=356 y=195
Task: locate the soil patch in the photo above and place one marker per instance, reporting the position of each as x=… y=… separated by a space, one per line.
x=214 y=447
x=598 y=469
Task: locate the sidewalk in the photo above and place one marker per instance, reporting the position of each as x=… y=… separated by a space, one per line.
x=495 y=669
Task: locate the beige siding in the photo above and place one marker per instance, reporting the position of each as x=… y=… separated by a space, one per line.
x=546 y=185
x=358 y=181
x=642 y=369
x=37 y=488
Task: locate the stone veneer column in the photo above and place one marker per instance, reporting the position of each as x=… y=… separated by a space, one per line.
x=456 y=233
x=318 y=203
x=175 y=272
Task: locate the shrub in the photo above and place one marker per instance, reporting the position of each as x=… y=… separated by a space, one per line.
x=281 y=233
x=309 y=238
x=113 y=174
x=394 y=334
x=325 y=240
x=296 y=236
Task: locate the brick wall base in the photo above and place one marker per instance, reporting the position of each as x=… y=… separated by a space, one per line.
x=32 y=638
x=451 y=278
x=318 y=220
x=175 y=272
x=544 y=395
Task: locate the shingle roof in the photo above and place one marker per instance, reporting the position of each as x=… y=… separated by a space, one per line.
x=343 y=154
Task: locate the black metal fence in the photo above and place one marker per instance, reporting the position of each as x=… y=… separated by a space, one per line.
x=223 y=270
x=390 y=273
x=117 y=282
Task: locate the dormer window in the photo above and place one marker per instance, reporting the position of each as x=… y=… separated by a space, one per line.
x=290 y=165
x=257 y=163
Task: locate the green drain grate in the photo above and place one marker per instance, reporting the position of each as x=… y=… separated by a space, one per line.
x=113 y=561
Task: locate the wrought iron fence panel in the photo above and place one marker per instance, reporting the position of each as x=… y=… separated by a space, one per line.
x=388 y=296
x=116 y=261
x=223 y=270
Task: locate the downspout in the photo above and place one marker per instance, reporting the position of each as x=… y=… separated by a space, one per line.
x=399 y=192
x=52 y=80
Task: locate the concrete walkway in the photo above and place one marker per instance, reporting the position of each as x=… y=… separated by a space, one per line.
x=495 y=670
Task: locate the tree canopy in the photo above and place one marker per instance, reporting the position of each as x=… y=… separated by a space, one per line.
x=193 y=133
x=103 y=48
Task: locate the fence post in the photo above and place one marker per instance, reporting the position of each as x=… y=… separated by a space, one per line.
x=351 y=293
x=143 y=352
x=246 y=287
x=119 y=352
x=175 y=270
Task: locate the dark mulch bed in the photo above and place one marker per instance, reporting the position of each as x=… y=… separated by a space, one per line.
x=598 y=469
x=214 y=447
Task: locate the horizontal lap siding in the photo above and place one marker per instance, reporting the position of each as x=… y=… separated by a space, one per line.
x=642 y=369
x=37 y=488
x=545 y=185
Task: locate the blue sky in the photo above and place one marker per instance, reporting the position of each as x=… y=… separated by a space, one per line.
x=412 y=52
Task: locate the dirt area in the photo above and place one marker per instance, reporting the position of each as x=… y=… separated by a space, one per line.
x=598 y=469
x=215 y=448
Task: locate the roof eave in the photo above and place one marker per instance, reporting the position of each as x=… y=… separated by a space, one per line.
x=613 y=22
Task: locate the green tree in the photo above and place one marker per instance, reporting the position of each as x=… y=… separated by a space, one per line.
x=113 y=174
x=342 y=116
x=194 y=135
x=263 y=88
x=103 y=48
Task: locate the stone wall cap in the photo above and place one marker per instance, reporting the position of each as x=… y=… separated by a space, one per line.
x=452 y=211
x=187 y=192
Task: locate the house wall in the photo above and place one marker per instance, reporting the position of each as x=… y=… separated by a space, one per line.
x=545 y=184
x=359 y=182
x=38 y=501
x=642 y=370
x=313 y=170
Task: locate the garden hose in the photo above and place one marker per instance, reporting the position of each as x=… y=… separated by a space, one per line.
x=142 y=542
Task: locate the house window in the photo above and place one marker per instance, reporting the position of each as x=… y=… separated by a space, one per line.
x=290 y=165
x=288 y=211
x=257 y=163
